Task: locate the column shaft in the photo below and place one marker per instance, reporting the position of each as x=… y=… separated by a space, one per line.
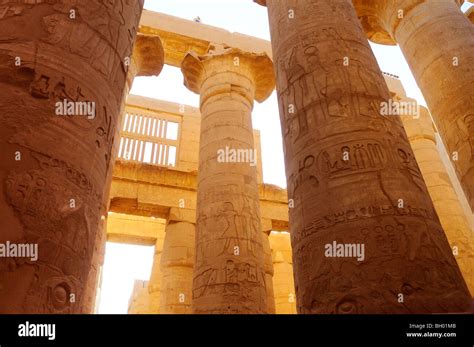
x=56 y=161
x=451 y=214
x=365 y=235
x=437 y=41
x=155 y=283
x=268 y=273
x=283 y=283
x=177 y=264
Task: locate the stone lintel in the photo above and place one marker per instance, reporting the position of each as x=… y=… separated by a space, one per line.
x=153 y=191
x=180 y=36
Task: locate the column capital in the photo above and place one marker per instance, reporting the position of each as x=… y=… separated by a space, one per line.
x=380 y=18
x=261 y=2
x=257 y=67
x=148 y=58
x=148 y=55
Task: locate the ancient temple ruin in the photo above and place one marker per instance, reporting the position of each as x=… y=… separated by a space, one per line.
x=189 y=180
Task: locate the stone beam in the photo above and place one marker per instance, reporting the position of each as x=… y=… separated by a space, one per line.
x=133 y=229
x=147 y=190
x=179 y=36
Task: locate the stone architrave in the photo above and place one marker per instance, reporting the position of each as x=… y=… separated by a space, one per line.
x=364 y=232
x=62 y=84
x=229 y=274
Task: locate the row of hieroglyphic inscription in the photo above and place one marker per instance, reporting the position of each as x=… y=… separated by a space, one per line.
x=335 y=284
x=356 y=214
x=67 y=88
x=351 y=158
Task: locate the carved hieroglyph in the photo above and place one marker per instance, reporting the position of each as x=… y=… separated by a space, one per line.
x=56 y=170
x=352 y=176
x=229 y=274
x=437 y=40
x=422 y=138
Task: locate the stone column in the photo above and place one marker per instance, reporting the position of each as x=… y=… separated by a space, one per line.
x=63 y=77
x=283 y=283
x=437 y=41
x=268 y=265
x=364 y=232
x=177 y=264
x=422 y=138
x=154 y=285
x=229 y=275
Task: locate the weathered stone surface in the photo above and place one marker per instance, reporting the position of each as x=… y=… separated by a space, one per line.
x=348 y=170
x=229 y=275
x=437 y=41
x=46 y=56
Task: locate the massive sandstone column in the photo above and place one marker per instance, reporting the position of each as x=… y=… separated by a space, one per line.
x=147 y=60
x=229 y=275
x=437 y=41
x=352 y=175
x=422 y=138
x=56 y=169
x=177 y=262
